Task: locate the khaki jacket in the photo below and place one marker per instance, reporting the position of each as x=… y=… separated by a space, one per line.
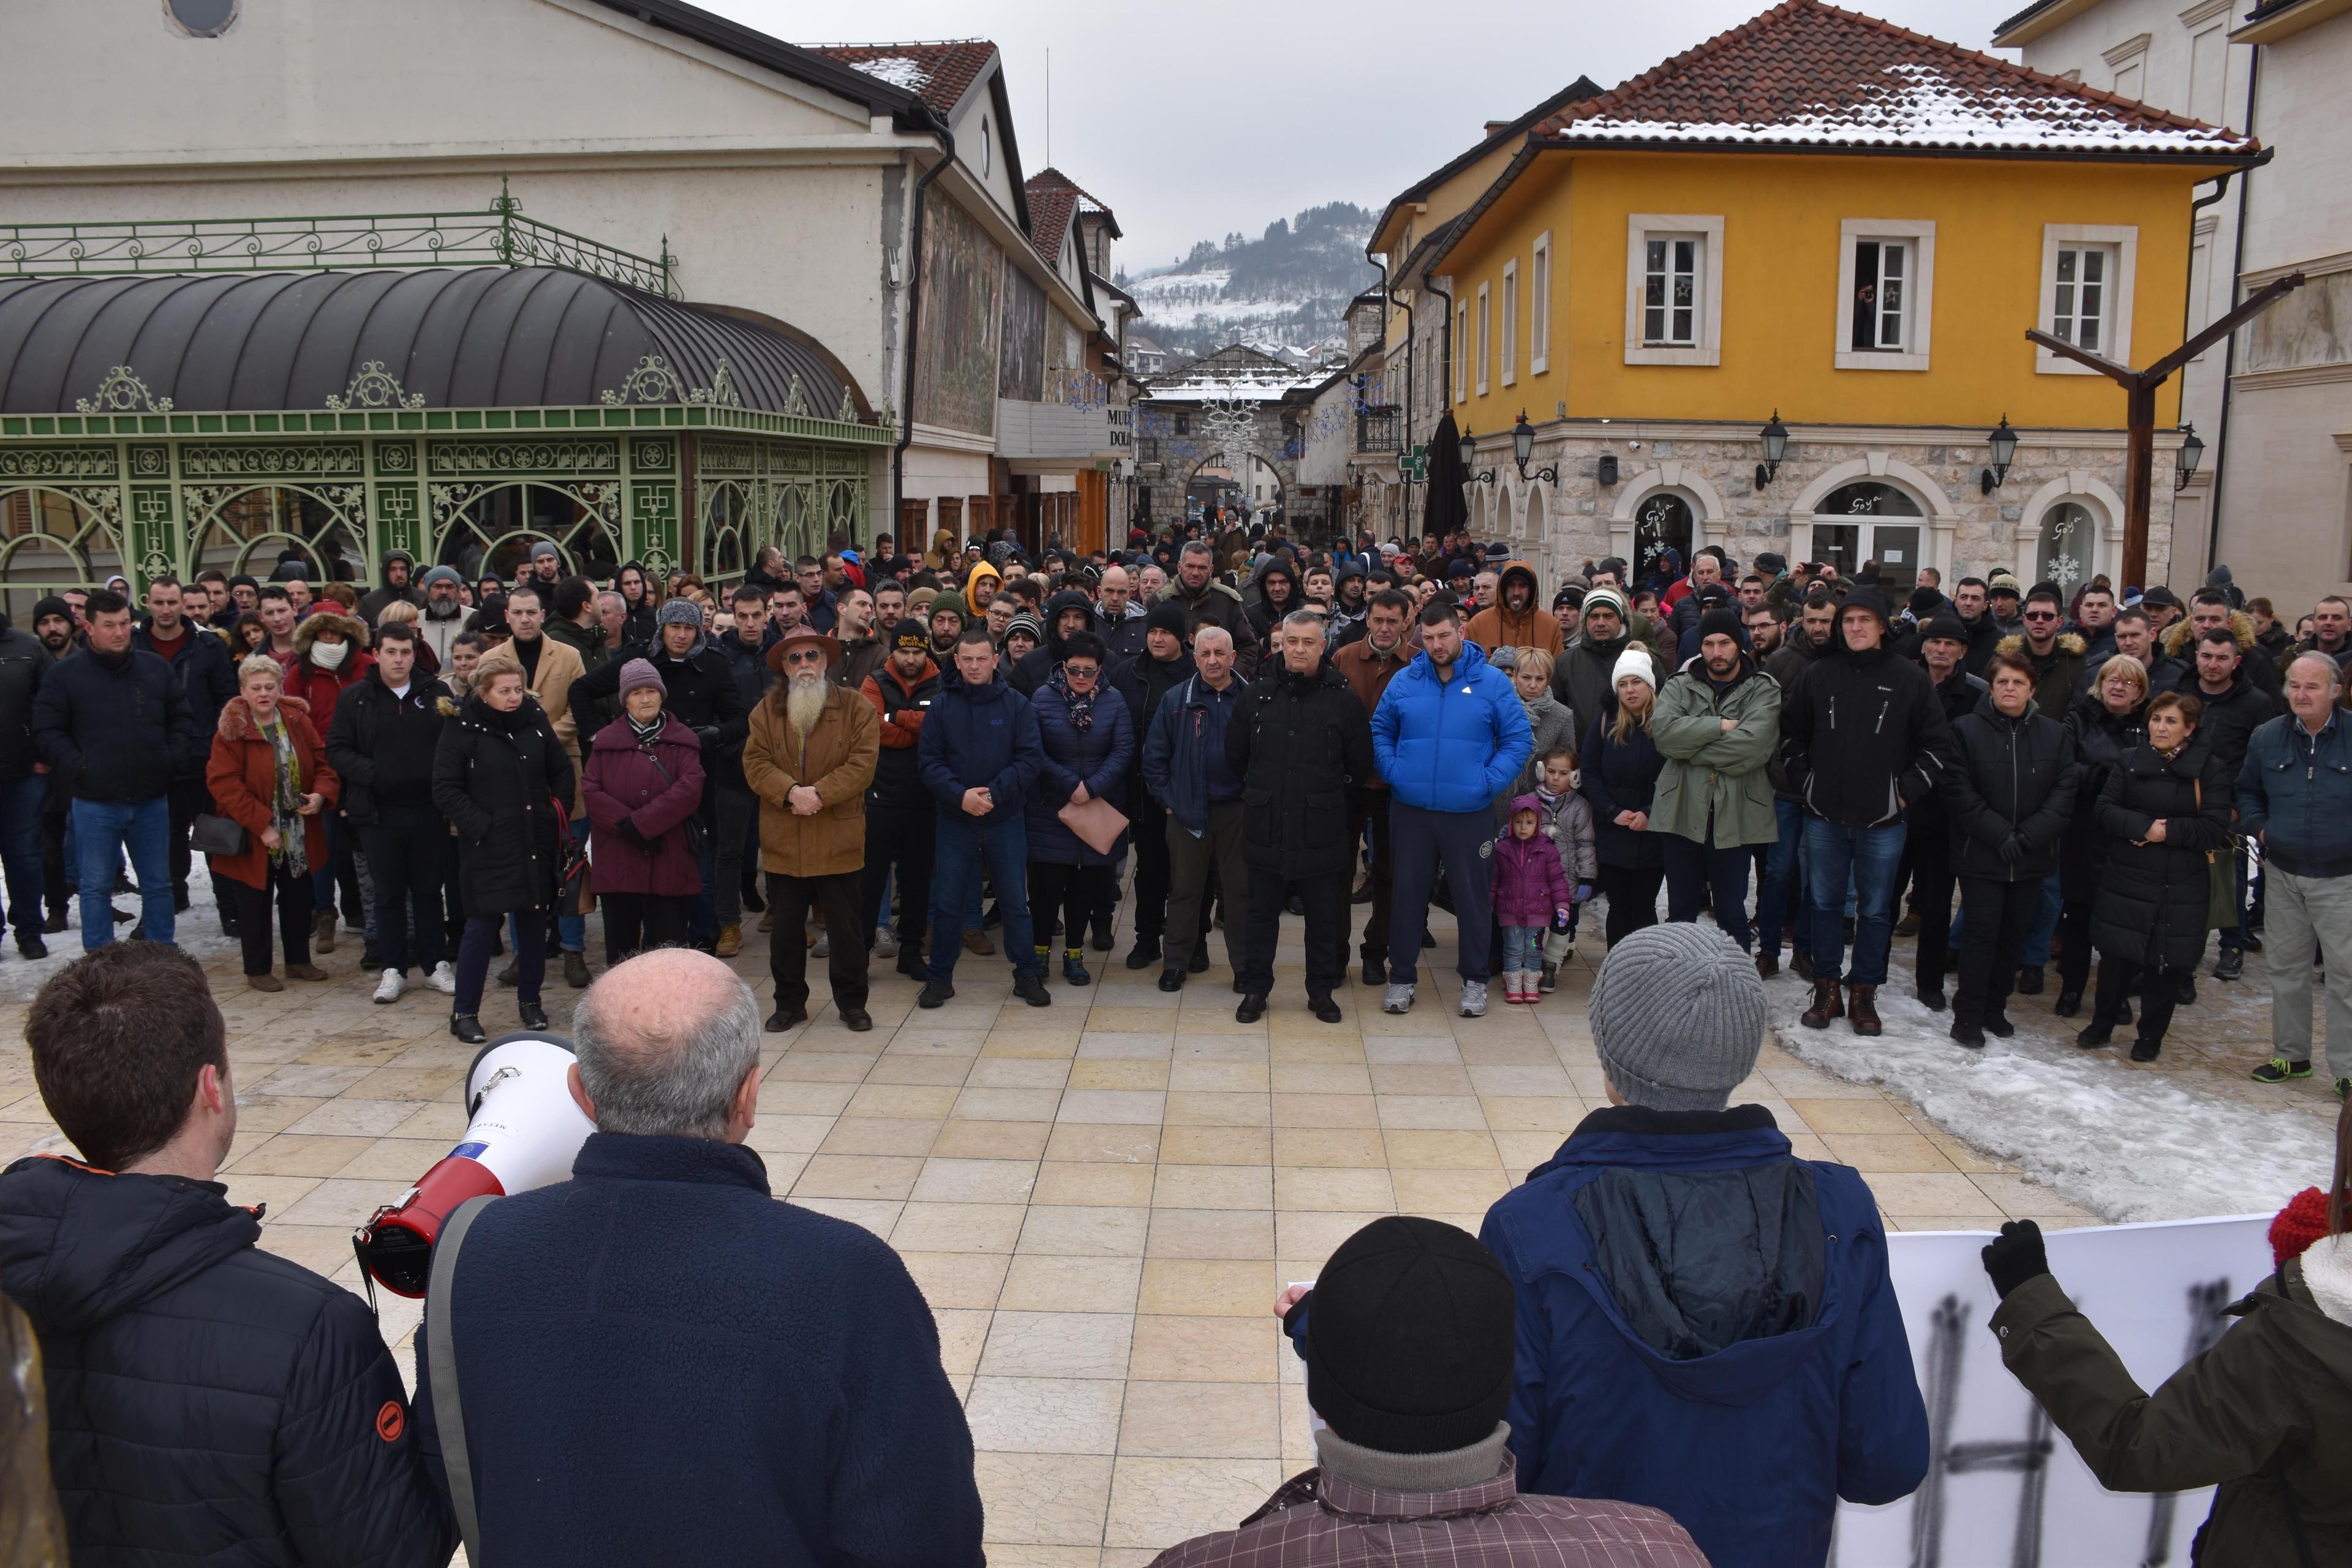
x=1711 y=771
x=836 y=758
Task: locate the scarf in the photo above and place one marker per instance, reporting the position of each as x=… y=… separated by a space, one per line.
x=286 y=806
x=1082 y=709
x=647 y=734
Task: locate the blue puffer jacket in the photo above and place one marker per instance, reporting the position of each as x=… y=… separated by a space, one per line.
x=2295 y=788
x=1099 y=756
x=1453 y=745
x=979 y=737
x=1707 y=1325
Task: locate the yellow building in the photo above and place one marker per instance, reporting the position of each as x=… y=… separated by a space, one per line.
x=1823 y=216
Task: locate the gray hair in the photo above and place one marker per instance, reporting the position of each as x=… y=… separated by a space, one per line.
x=1198 y=547
x=2335 y=671
x=665 y=1071
x=255 y=664
x=1212 y=632
x=1304 y=618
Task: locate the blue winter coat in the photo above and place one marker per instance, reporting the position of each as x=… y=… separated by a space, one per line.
x=1099 y=756
x=1707 y=1325
x=1188 y=728
x=1452 y=745
x=662 y=1363
x=979 y=737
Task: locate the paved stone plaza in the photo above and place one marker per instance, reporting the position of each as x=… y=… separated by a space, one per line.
x=1100 y=1200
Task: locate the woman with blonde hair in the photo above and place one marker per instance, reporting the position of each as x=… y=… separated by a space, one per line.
x=269 y=775
x=1621 y=763
x=400 y=612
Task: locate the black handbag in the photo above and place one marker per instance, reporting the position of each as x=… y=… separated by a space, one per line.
x=216 y=836
x=698 y=836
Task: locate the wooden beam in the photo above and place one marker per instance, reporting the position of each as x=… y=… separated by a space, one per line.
x=2139 y=480
x=2255 y=305
x=2064 y=350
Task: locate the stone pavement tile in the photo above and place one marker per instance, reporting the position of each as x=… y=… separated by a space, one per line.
x=1125 y=1016
x=359 y=1117
x=1118 y=1072
x=339 y=1203
x=1432 y=1112
x=451 y=1056
x=1210 y=1233
x=1214 y=1188
x=798 y=1065
x=1294 y=1051
x=1425 y=1050
x=1346 y=1146
x=1523 y=1151
x=1018 y=1072
x=1204 y=1350
x=1216 y=1146
x=962 y=1332
x=858 y=1176
x=1800 y=1082
x=958 y=1280
x=1200 y=1421
x=321 y=1249
x=875 y=1214
x=1024 y=1555
x=259 y=1112
x=1556 y=1114
x=1044 y=1415
x=1827 y=1116
x=1303 y=1238
x=1127 y=1044
x=879 y=1135
x=1970 y=1222
x=1438 y=1193
x=976 y=1181
x=1081 y=1231
x=1038 y=1282
x=1873 y=1151
x=1135 y=1107
x=1418 y=1150
x=826 y=1099
x=395 y=1160
x=1526 y=1051
x=918 y=1039
x=920 y=1101
x=1964 y=1156
x=2021 y=1199
x=777 y=1134
x=1930 y=1191
x=1043 y=1499
x=1154 y=1503
x=1512 y=1081
x=1332 y=1187
x=1196 y=1075
x=957 y=1227
x=1057 y=1344
x=1426 y=1078
x=1060 y=1181
x=942 y=1072
x=1203 y=1109
x=960 y=1140
x=1303 y=1110
x=300 y=1154
x=1293 y=1077
x=1198 y=1288
x=1092 y=1143
x=409 y=1083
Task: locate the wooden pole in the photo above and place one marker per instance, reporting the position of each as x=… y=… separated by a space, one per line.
x=2139 y=472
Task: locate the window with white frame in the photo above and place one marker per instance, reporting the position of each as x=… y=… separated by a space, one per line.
x=1510 y=340
x=1885 y=292
x=1883 y=270
x=2086 y=292
x=1673 y=289
x=1539 y=306
x=1462 y=351
x=1486 y=312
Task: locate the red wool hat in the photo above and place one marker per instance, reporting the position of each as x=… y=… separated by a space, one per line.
x=2301 y=1223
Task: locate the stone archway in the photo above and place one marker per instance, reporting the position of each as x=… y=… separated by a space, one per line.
x=1234 y=402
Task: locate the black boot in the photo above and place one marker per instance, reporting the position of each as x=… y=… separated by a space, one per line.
x=466 y=1027
x=533 y=1016
x=1146 y=954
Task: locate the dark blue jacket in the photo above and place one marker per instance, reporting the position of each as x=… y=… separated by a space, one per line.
x=2295 y=788
x=662 y=1363
x=1622 y=775
x=979 y=737
x=1674 y=1351
x=116 y=729
x=1451 y=745
x=207 y=678
x=1099 y=755
x=1184 y=756
x=209 y=1402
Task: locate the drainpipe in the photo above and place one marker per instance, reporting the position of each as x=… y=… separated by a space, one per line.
x=914 y=323
x=1388 y=292
x=2230 y=348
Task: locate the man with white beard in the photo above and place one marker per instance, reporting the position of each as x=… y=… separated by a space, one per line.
x=809 y=758
x=444 y=616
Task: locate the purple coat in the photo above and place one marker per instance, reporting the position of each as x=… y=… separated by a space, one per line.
x=622 y=782
x=1530 y=882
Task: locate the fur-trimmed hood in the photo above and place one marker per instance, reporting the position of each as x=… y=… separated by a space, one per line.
x=309 y=629
x=2069 y=643
x=2178 y=635
x=237 y=721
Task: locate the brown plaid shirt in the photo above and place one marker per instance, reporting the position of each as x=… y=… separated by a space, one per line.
x=1319 y=1521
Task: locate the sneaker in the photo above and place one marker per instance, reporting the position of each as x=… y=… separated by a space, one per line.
x=1399 y=998
x=823 y=946
x=1074 y=969
x=391 y=986
x=1474 y=998
x=730 y=940
x=443 y=978
x=2278 y=1069
x=885 y=943
x=2230 y=966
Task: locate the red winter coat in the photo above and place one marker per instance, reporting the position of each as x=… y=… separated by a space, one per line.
x=623 y=783
x=242 y=775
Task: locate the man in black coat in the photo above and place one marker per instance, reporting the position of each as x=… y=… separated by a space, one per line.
x=208 y=1401
x=23 y=786
x=381 y=743
x=1301 y=741
x=735 y=868
x=1164 y=664
x=208 y=679
x=2235 y=707
x=1068 y=614
x=1121 y=632
x=1943 y=652
x=114 y=726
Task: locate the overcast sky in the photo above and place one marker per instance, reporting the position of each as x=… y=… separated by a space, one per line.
x=1195 y=119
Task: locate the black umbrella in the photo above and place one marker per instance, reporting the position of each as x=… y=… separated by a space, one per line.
x=1445 y=510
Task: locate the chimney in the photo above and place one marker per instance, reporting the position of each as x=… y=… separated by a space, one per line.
x=1495 y=125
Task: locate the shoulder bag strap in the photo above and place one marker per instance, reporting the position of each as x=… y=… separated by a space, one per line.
x=441 y=1371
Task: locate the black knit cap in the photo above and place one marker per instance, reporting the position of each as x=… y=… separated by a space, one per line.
x=1720 y=620
x=1952 y=629
x=1410 y=1332
x=1167 y=616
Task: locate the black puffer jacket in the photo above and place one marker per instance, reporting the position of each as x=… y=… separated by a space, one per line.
x=207 y=675
x=2013 y=779
x=22 y=662
x=115 y=728
x=1863 y=737
x=2152 y=896
x=1142 y=682
x=498 y=777
x=383 y=747
x=209 y=1402
x=2100 y=739
x=2230 y=719
x=1958 y=697
x=1297 y=744
x=1622 y=775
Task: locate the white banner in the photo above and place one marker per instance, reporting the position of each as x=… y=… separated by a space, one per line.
x=2004 y=1488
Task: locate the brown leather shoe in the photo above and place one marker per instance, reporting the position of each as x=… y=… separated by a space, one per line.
x=265 y=982
x=1768 y=964
x=730 y=940
x=323 y=929
x=1826 y=1006
x=1861 y=1006
x=976 y=940
x=305 y=971
x=1908 y=925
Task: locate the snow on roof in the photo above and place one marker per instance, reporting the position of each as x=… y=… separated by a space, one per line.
x=938 y=73
x=1238 y=374
x=1805 y=73
x=899 y=70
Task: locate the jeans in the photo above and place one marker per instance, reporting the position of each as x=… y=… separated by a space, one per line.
x=1780 y=901
x=1869 y=856
x=2044 y=924
x=405 y=848
x=962 y=848
x=251 y=906
x=2305 y=914
x=102 y=830
x=1998 y=914
x=20 y=850
x=1522 y=948
x=1424 y=841
x=473 y=957
x=1692 y=867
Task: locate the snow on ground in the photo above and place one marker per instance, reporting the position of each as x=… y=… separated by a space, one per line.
x=2125 y=1141
x=195 y=930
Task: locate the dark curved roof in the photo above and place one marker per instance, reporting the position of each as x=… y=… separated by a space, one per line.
x=475 y=337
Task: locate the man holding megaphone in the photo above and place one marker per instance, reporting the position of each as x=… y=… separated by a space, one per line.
x=656 y=1361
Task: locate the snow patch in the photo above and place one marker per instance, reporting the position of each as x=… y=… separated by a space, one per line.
x=902 y=72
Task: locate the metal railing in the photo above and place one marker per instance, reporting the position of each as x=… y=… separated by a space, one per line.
x=500 y=236
x=1376 y=430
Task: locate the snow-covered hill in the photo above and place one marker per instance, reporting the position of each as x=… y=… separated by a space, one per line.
x=1288 y=289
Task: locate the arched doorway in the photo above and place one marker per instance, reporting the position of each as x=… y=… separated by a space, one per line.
x=1663 y=520
x=51 y=541
x=2067 y=553
x=252 y=528
x=1870 y=520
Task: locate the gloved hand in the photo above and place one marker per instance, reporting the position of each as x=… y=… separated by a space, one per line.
x=707 y=734
x=1584 y=892
x=2016 y=1256
x=1560 y=922
x=2012 y=849
x=634 y=834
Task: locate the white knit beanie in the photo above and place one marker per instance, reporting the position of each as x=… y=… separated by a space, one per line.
x=1635 y=661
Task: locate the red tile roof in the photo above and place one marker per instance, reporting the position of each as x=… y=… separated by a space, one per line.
x=939 y=74
x=1053 y=202
x=1049 y=180
x=1805 y=73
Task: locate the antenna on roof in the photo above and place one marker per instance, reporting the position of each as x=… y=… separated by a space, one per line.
x=1049 y=106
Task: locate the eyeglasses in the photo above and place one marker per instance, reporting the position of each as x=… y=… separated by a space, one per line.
x=2041 y=615
x=1080 y=671
x=809 y=655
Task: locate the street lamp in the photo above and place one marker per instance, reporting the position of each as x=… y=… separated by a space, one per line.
x=1470 y=460
x=2192 y=452
x=1775 y=437
x=2004 y=442
x=1523 y=446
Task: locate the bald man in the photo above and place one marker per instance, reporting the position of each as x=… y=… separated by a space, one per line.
x=750 y=1350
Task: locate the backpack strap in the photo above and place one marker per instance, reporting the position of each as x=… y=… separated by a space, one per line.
x=441 y=1374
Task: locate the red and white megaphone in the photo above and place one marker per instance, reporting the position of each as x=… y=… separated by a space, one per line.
x=524 y=1133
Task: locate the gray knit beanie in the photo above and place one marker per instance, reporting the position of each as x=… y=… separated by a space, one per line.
x=1678 y=1018
x=680 y=613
